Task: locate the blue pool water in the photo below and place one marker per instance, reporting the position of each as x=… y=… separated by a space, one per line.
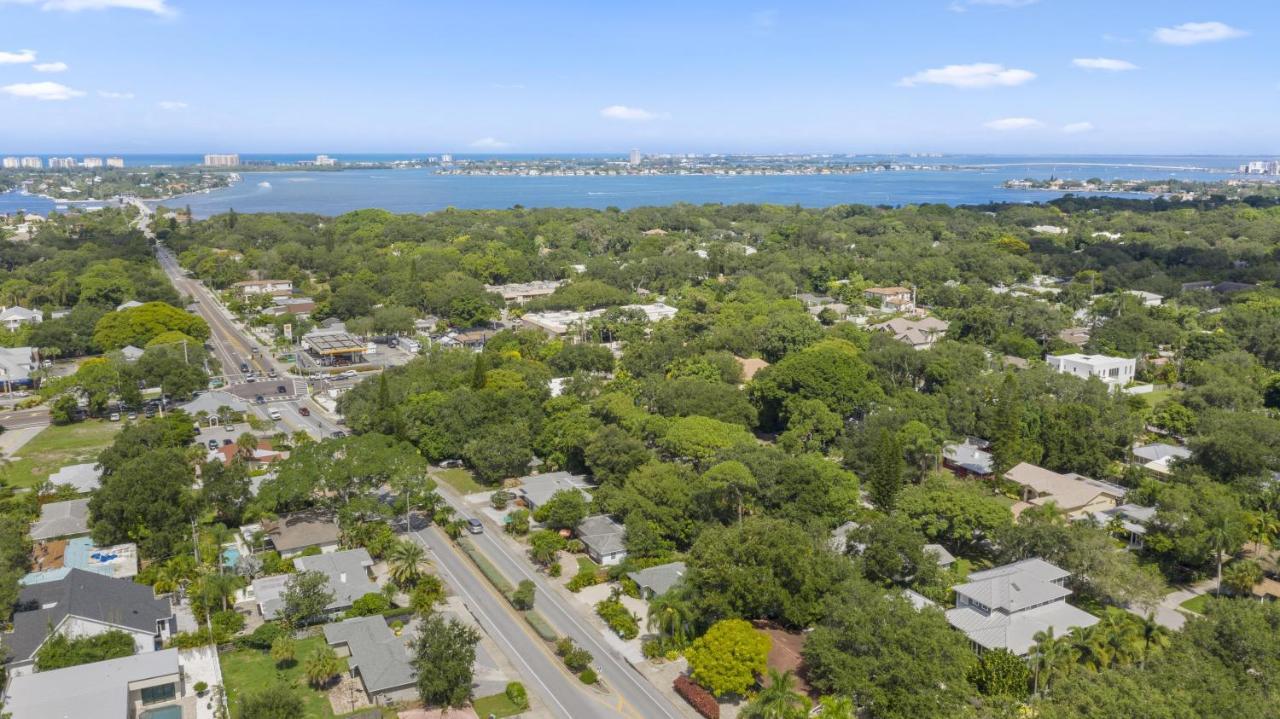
x=173 y=712
x=231 y=557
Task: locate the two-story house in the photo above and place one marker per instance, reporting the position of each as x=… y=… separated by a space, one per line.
x=1005 y=607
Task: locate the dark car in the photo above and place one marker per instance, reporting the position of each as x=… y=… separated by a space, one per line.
x=244 y=367
x=260 y=399
x=213 y=444
x=281 y=389
x=337 y=433
x=304 y=411
x=225 y=442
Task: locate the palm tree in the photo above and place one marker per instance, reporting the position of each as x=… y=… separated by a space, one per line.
x=1241 y=576
x=778 y=700
x=283 y=650
x=1091 y=646
x=321 y=666
x=1155 y=636
x=1263 y=529
x=671 y=617
x=1220 y=540
x=1053 y=657
x=404 y=560
x=835 y=708
x=454 y=528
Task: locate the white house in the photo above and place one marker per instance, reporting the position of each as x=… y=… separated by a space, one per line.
x=1005 y=607
x=152 y=684
x=263 y=287
x=14 y=317
x=1114 y=371
x=603 y=539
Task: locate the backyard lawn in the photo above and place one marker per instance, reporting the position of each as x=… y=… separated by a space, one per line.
x=497 y=705
x=249 y=670
x=58 y=446
x=1196 y=604
x=1160 y=395
x=461 y=480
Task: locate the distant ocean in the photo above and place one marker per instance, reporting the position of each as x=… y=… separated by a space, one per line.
x=423 y=190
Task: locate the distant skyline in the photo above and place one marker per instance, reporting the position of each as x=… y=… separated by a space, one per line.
x=953 y=76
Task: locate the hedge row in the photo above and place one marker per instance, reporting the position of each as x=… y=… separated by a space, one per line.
x=700 y=699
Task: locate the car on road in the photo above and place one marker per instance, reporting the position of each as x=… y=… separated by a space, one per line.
x=304 y=411
x=337 y=433
x=244 y=368
x=274 y=414
x=348 y=373
x=281 y=389
x=271 y=374
x=260 y=399
x=213 y=444
x=474 y=526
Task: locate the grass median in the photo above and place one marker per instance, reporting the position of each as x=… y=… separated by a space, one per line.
x=503 y=585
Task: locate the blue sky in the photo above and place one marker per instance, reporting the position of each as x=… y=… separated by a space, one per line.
x=1009 y=76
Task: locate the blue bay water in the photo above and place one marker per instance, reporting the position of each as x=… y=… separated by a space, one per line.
x=424 y=190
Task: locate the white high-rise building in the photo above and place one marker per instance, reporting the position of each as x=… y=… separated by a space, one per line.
x=446 y=159
x=222 y=160
x=55 y=163
x=116 y=162
x=92 y=162
x=10 y=163
x=33 y=163
x=1275 y=167
x=325 y=161
x=635 y=158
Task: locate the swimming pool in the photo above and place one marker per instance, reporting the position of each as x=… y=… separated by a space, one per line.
x=231 y=557
x=171 y=712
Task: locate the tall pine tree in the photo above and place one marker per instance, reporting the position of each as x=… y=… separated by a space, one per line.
x=887 y=467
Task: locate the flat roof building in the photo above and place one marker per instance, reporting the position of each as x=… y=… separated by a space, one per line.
x=1114 y=371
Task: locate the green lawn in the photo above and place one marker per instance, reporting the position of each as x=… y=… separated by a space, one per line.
x=585 y=564
x=1160 y=395
x=1196 y=604
x=498 y=705
x=248 y=670
x=58 y=446
x=461 y=480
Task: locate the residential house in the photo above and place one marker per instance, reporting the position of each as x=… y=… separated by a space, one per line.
x=536 y=489
x=1078 y=336
x=657 y=580
x=54 y=559
x=1148 y=299
x=940 y=553
x=349 y=574
x=1132 y=521
x=83 y=477
x=603 y=538
x=750 y=366
x=61 y=519
x=131 y=354
x=291 y=534
x=258 y=458
x=377 y=658
x=472 y=338
x=84 y=604
x=891 y=299
x=250 y=288
x=152 y=685
x=920 y=334
x=12 y=318
x=1113 y=371
x=969 y=458
x=1159 y=458
x=17 y=365
x=520 y=293
x=1074 y=494
x=1005 y=607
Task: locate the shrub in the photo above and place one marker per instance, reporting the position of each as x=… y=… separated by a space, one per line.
x=540 y=626
x=517 y=695
x=226 y=624
x=500 y=499
x=583 y=579
x=588 y=676
x=578 y=659
x=200 y=687
x=564 y=645
x=264 y=636
x=575 y=546
x=700 y=699
x=369 y=605
x=518 y=523
x=652 y=649
x=554 y=570
x=619 y=618
x=522 y=597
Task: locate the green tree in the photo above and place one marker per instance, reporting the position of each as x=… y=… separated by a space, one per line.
x=778 y=699
x=732 y=484
x=443 y=657
x=147 y=500
x=60 y=651
x=811 y=426
x=671 y=616
x=700 y=439
x=1000 y=673
x=831 y=371
x=884 y=481
x=727 y=659
x=284 y=650
x=405 y=562
x=278 y=700
x=321 y=666
x=306 y=596
x=564 y=510
x=1240 y=576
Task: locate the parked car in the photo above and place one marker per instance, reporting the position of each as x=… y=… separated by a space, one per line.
x=213 y=444
x=349 y=373
x=271 y=374
x=304 y=411
x=225 y=442
x=474 y=526
x=393 y=342
x=115 y=416
x=337 y=433
x=133 y=415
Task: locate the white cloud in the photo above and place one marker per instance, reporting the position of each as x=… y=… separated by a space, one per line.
x=976 y=75
x=1077 y=127
x=1013 y=123
x=631 y=114
x=1103 y=63
x=1194 y=33
x=490 y=143
x=115 y=95
x=50 y=67
x=158 y=7
x=41 y=91
x=172 y=105
x=17 y=58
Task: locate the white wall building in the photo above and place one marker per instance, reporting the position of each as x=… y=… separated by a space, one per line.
x=1005 y=607
x=32 y=163
x=92 y=162
x=1115 y=371
x=116 y=162
x=222 y=160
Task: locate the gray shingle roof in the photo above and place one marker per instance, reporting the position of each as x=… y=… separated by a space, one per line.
x=602 y=535
x=211 y=402
x=381 y=657
x=538 y=488
x=81 y=594
x=61 y=519
x=659 y=579
x=84 y=477
x=348 y=575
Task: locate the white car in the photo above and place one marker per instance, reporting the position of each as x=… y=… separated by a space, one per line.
x=371 y=349
x=274 y=414
x=348 y=373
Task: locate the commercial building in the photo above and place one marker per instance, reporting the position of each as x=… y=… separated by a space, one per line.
x=562 y=323
x=222 y=160
x=634 y=159
x=10 y=163
x=1114 y=371
x=92 y=162
x=250 y=288
x=521 y=292
x=1005 y=607
x=325 y=161
x=32 y=163
x=116 y=162
x=334 y=347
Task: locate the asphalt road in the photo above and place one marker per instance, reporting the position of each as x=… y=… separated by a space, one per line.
x=561 y=693
x=639 y=698
x=19 y=418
